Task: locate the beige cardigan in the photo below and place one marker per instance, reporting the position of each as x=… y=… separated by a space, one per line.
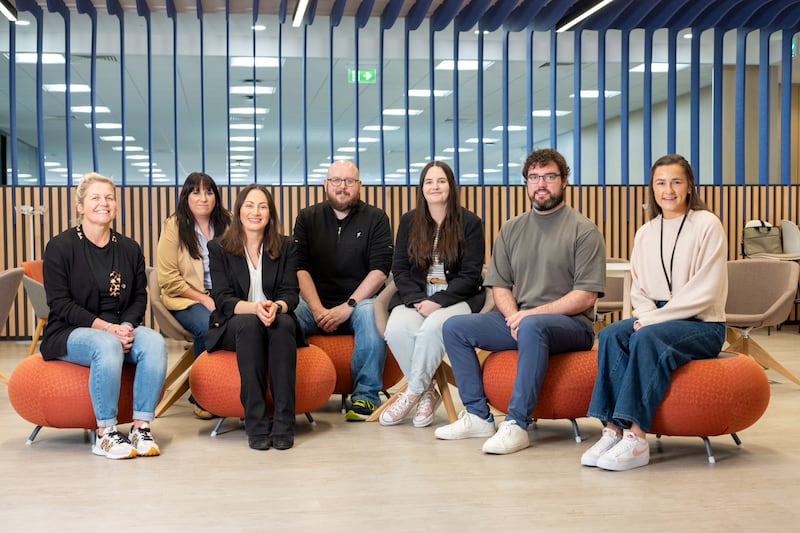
x=177 y=270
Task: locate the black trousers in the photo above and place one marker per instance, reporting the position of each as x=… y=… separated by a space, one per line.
x=265 y=354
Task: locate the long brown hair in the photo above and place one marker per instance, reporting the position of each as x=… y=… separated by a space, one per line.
x=693 y=201
x=423 y=227
x=232 y=240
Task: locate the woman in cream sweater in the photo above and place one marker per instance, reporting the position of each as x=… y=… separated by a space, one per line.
x=680 y=284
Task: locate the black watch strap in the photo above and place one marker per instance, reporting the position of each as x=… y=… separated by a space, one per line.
x=351 y=302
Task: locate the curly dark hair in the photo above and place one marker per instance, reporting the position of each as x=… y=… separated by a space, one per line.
x=543 y=157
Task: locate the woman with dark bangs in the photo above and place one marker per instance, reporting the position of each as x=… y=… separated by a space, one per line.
x=183 y=272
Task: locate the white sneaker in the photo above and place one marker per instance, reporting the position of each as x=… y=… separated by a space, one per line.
x=142 y=441
x=630 y=452
x=426 y=408
x=509 y=438
x=113 y=445
x=606 y=442
x=399 y=408
x=466 y=427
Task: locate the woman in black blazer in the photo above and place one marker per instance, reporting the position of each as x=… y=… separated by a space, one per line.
x=255 y=290
x=95 y=284
x=438 y=258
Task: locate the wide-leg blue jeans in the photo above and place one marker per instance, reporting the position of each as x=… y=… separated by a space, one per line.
x=539 y=336
x=635 y=368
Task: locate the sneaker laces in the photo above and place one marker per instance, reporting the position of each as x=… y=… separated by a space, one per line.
x=364 y=403
x=428 y=400
x=143 y=432
x=506 y=427
x=626 y=445
x=115 y=436
x=602 y=444
x=401 y=406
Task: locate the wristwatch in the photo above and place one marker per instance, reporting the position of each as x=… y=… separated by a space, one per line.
x=351 y=302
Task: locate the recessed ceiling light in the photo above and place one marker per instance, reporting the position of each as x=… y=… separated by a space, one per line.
x=243 y=139
x=51 y=164
x=417 y=165
x=32 y=58
x=364 y=140
x=511 y=127
x=659 y=67
x=142 y=164
x=116 y=138
x=88 y=109
x=246 y=126
x=241 y=149
x=137 y=156
x=249 y=111
x=401 y=112
x=62 y=88
x=426 y=93
x=249 y=90
x=128 y=148
x=463 y=64
x=350 y=149
x=342 y=157
x=105 y=125
x=594 y=93
x=258 y=27
x=378 y=128
x=19 y=22
x=485 y=140
x=540 y=113
x=461 y=149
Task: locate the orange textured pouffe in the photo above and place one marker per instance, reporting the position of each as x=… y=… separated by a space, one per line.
x=56 y=394
x=214 y=380
x=712 y=397
x=340 y=349
x=566 y=390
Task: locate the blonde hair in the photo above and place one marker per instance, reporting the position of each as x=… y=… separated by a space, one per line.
x=80 y=191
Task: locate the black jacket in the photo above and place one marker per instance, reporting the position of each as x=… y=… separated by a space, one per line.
x=230 y=282
x=337 y=259
x=72 y=293
x=464 y=283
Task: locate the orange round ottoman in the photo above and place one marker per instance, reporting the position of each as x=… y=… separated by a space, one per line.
x=56 y=394
x=566 y=390
x=215 y=383
x=340 y=349
x=712 y=397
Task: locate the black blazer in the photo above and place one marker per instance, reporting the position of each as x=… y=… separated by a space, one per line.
x=230 y=282
x=464 y=283
x=72 y=293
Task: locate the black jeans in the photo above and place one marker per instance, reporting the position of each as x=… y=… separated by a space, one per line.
x=265 y=354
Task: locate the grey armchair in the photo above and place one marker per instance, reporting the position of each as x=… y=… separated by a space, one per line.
x=612 y=301
x=760 y=293
x=170 y=328
x=9 y=286
x=38 y=299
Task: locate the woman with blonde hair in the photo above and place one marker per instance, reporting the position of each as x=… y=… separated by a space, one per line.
x=95 y=283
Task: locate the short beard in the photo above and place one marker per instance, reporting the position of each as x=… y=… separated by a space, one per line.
x=551 y=203
x=342 y=206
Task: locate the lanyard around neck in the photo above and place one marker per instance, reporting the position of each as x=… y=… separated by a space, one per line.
x=672 y=258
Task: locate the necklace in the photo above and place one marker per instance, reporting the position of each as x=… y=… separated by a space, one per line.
x=672 y=258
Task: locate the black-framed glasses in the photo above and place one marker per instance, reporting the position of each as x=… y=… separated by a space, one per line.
x=548 y=178
x=347 y=181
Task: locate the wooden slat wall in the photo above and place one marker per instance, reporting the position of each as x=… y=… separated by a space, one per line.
x=617 y=210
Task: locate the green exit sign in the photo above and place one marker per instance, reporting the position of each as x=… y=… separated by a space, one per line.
x=363 y=75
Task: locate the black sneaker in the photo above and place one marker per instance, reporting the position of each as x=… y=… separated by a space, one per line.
x=360 y=411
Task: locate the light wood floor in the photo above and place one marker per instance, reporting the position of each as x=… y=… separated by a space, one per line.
x=363 y=477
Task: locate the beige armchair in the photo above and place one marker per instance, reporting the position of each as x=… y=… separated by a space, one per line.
x=444 y=374
x=9 y=285
x=613 y=300
x=760 y=293
x=178 y=375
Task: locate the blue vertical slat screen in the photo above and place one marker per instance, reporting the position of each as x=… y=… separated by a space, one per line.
x=592 y=162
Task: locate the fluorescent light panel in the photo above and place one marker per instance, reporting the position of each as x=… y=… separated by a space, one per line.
x=658 y=68
x=62 y=88
x=463 y=64
x=32 y=58
x=7 y=9
x=426 y=93
x=593 y=93
x=249 y=90
x=250 y=61
x=586 y=14
x=299 y=13
x=88 y=109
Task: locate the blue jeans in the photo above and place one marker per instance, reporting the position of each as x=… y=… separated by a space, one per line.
x=195 y=320
x=539 y=336
x=369 y=350
x=635 y=368
x=102 y=353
